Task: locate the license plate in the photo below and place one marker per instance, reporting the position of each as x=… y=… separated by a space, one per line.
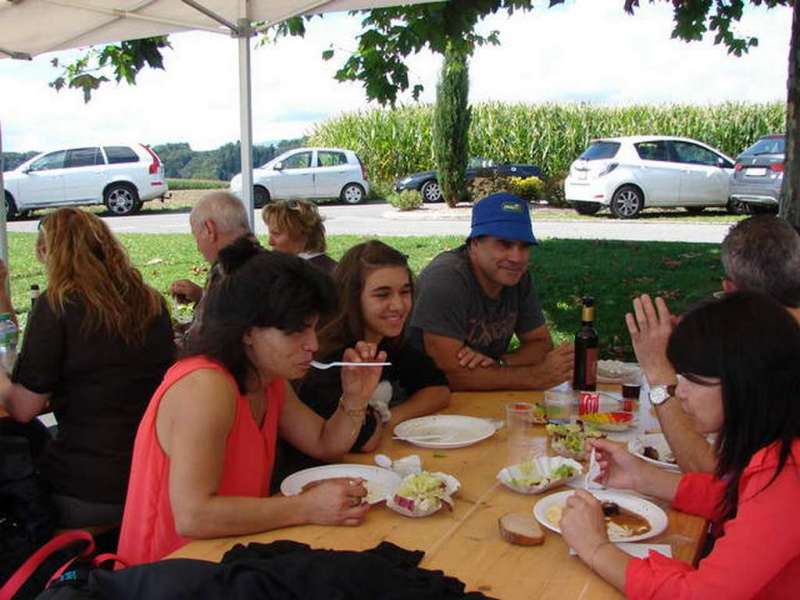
x=756 y=172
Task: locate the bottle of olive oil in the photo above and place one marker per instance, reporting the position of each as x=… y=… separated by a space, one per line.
x=585 y=374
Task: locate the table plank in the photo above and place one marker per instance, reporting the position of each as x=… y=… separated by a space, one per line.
x=466 y=542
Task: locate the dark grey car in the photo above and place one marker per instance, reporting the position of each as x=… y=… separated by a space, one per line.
x=758 y=175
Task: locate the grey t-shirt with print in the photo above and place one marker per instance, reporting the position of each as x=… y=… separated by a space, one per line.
x=450 y=302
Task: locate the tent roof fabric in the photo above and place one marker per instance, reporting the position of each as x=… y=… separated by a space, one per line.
x=37 y=26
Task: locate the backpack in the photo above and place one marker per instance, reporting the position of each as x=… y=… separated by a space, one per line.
x=27 y=516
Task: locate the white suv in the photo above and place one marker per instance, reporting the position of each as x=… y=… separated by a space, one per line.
x=628 y=174
x=313 y=173
x=121 y=177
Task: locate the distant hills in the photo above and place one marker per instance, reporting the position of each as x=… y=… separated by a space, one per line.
x=180 y=161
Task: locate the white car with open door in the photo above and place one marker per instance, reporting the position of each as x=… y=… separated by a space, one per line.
x=628 y=174
x=309 y=173
x=120 y=176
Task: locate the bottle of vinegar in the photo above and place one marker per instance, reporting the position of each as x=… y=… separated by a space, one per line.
x=585 y=374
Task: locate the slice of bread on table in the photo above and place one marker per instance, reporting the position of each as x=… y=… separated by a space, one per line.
x=521 y=529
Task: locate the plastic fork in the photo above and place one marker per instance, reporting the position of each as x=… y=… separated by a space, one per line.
x=322 y=366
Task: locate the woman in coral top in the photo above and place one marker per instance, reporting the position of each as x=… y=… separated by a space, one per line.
x=205 y=447
x=738 y=377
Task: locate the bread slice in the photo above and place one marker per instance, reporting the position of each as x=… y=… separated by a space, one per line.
x=521 y=529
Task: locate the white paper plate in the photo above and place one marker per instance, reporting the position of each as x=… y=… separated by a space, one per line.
x=456 y=431
x=659 y=442
x=541 y=466
x=651 y=512
x=452 y=486
x=614 y=371
x=381 y=483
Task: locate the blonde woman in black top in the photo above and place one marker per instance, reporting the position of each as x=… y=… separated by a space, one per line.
x=96 y=346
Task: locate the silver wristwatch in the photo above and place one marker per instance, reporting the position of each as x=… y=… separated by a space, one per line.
x=661 y=393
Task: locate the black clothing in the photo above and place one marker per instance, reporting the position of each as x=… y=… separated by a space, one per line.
x=280 y=570
x=324 y=263
x=99 y=387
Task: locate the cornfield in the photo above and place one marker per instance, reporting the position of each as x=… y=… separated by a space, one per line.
x=396 y=142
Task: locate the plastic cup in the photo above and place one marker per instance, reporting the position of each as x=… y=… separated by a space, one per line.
x=558 y=405
x=520 y=422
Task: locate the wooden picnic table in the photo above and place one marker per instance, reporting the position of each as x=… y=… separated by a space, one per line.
x=465 y=543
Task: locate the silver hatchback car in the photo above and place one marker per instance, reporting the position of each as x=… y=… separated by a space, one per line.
x=758 y=174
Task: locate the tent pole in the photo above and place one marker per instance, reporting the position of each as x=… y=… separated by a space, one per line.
x=244 y=33
x=3 y=224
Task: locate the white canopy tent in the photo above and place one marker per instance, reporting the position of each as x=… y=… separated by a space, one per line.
x=79 y=23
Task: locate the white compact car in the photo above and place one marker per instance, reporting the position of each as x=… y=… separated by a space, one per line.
x=628 y=174
x=310 y=173
x=122 y=177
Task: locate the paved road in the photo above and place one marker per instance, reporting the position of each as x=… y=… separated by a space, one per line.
x=380 y=220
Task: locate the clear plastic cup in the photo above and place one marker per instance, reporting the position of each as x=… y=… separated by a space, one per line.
x=559 y=405
x=520 y=422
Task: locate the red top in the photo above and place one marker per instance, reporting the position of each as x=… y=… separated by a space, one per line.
x=148 y=527
x=759 y=554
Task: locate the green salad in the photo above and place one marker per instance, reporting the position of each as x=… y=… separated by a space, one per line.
x=530 y=477
x=422 y=491
x=571 y=437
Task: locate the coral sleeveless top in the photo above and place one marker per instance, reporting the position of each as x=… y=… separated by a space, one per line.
x=148 y=526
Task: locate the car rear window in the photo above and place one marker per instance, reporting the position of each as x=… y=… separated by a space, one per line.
x=83 y=157
x=327 y=158
x=600 y=151
x=652 y=150
x=768 y=146
x=120 y=154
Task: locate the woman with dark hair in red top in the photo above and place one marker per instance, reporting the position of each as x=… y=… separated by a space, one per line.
x=206 y=445
x=738 y=377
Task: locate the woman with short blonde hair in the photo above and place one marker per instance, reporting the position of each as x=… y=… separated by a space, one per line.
x=296 y=227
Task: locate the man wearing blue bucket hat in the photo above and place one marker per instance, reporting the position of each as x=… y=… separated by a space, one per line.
x=470 y=302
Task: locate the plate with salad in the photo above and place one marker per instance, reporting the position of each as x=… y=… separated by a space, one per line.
x=539 y=474
x=569 y=440
x=380 y=483
x=423 y=494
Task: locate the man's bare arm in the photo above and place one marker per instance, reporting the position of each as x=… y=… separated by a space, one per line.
x=549 y=372
x=533 y=348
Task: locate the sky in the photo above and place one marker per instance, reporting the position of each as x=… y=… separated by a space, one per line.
x=584 y=51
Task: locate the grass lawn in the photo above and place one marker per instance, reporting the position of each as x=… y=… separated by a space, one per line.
x=564 y=270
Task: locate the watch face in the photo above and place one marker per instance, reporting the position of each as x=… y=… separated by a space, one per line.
x=659 y=394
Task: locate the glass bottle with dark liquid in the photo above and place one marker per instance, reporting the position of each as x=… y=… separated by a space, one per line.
x=585 y=374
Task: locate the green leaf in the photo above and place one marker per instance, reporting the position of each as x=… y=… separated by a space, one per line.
x=327 y=55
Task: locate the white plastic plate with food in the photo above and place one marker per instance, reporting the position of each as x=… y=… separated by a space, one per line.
x=422 y=494
x=380 y=483
x=444 y=431
x=614 y=371
x=653 y=448
x=539 y=474
x=632 y=518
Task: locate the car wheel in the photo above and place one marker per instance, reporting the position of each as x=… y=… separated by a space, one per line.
x=627 y=202
x=11 y=208
x=694 y=210
x=352 y=193
x=431 y=192
x=737 y=207
x=260 y=196
x=586 y=208
x=121 y=199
